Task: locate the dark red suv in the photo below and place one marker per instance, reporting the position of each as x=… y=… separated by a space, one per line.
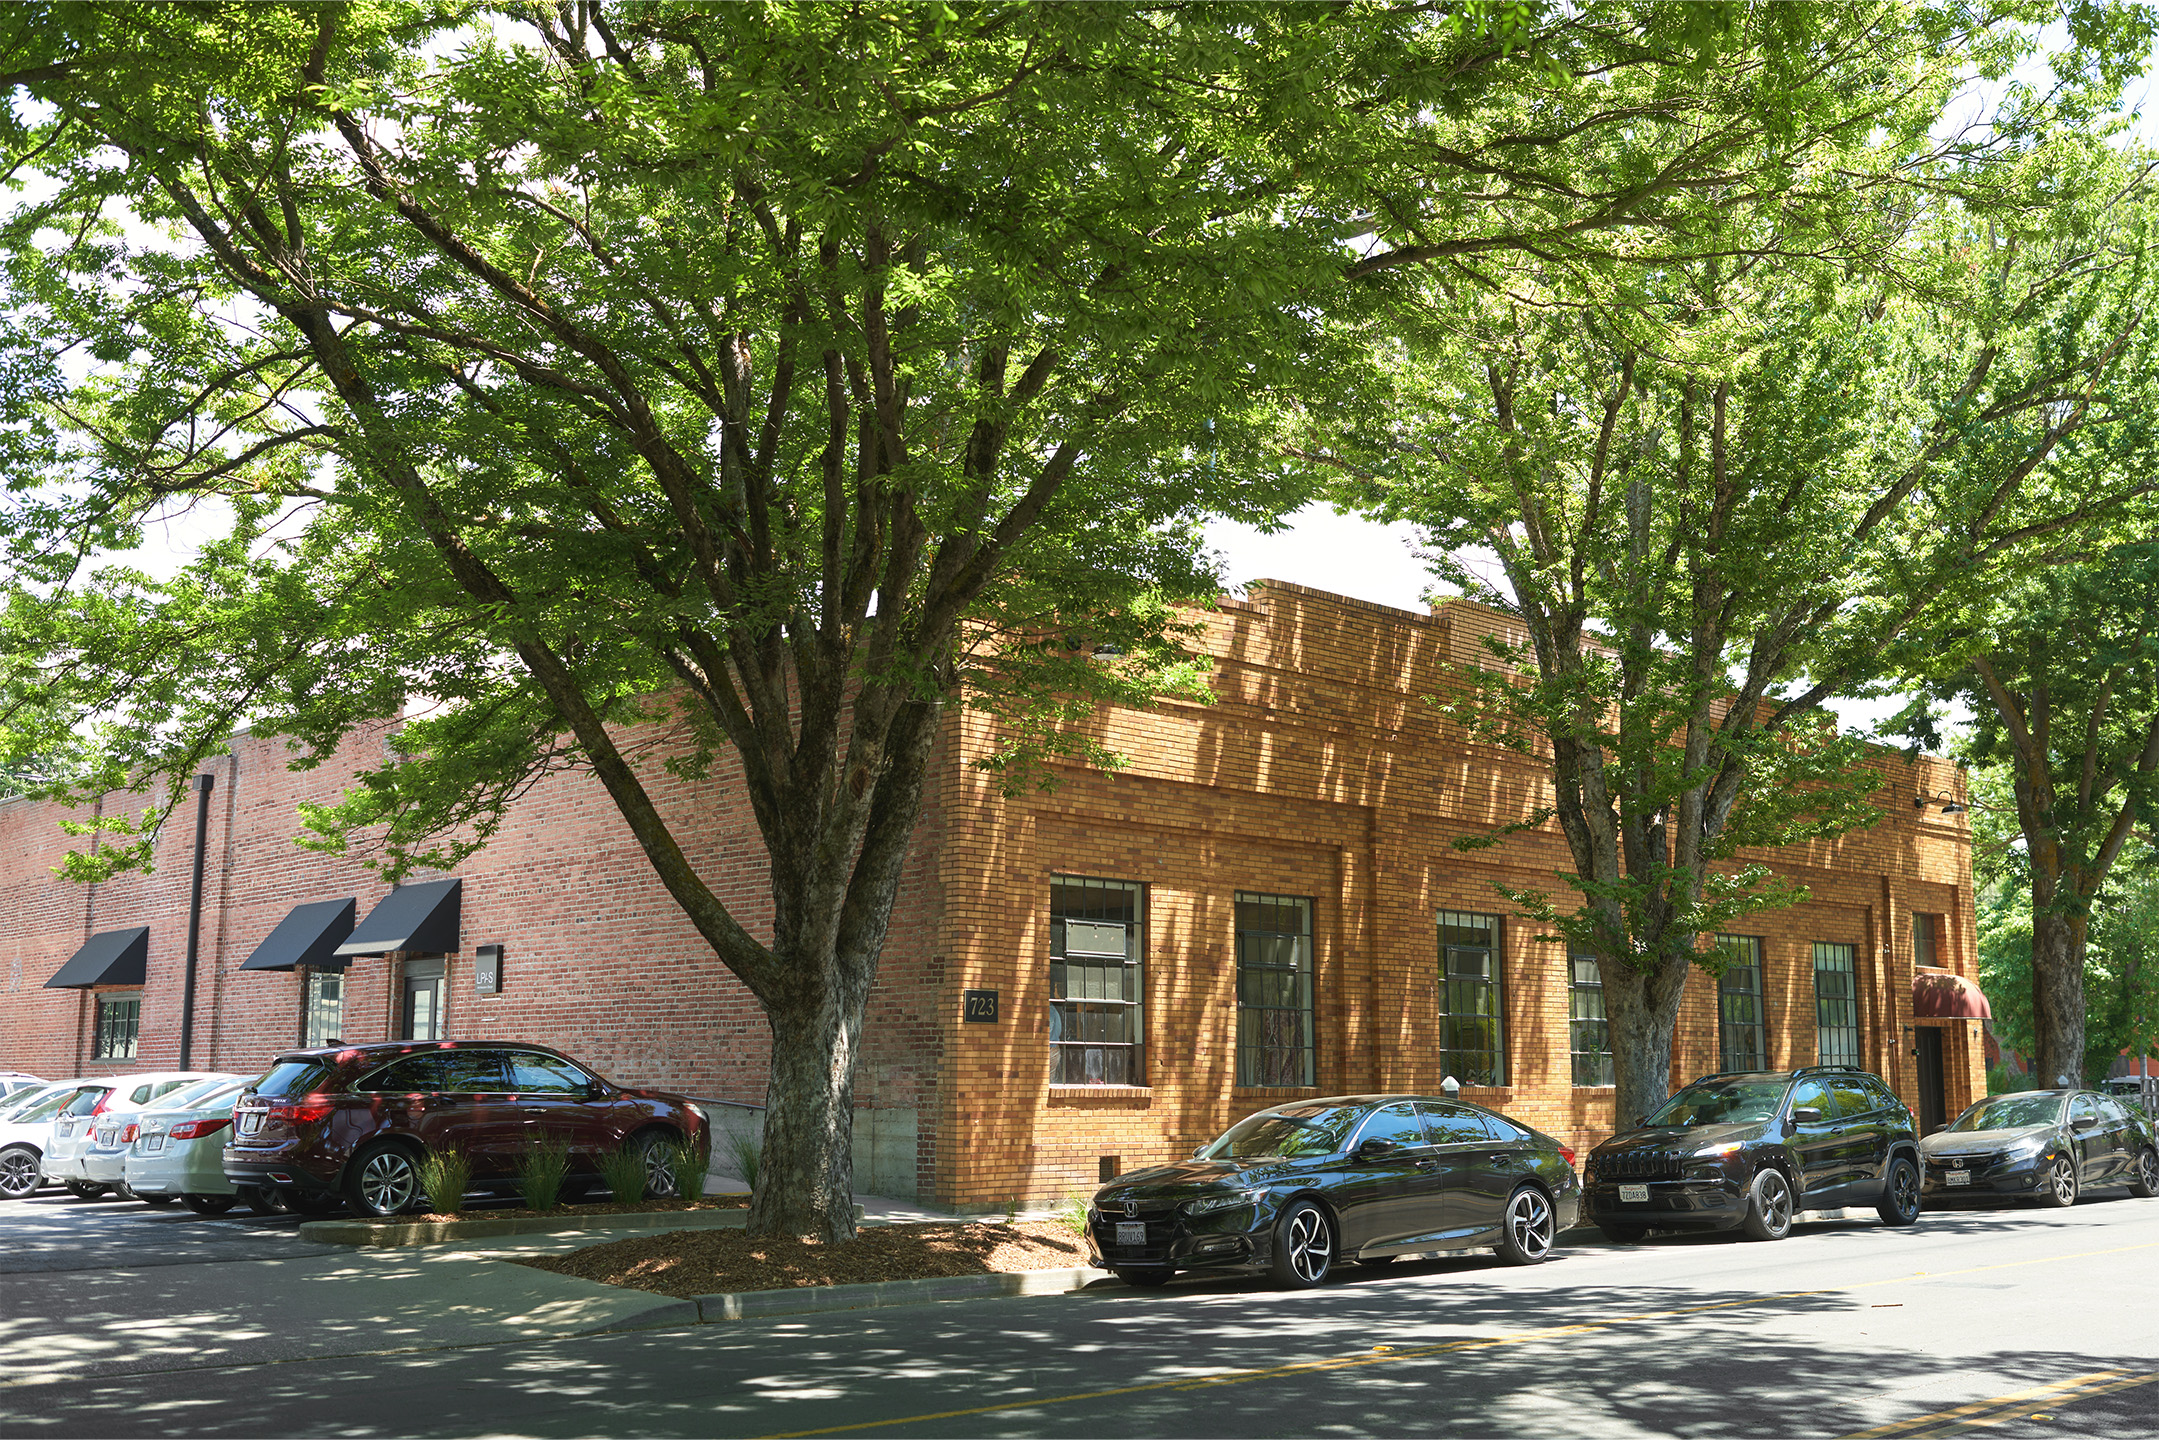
x=354 y=1121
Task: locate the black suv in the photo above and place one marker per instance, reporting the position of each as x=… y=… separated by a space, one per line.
x=1751 y=1148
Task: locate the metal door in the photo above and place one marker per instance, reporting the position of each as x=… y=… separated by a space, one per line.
x=552 y=1099
x=1484 y=1161
x=423 y=1008
x=1819 y=1142
x=1933 y=1112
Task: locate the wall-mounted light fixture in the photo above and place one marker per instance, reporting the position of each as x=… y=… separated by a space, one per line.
x=1950 y=805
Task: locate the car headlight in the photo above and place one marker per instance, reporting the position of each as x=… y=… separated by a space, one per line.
x=1720 y=1152
x=1228 y=1200
x=2030 y=1145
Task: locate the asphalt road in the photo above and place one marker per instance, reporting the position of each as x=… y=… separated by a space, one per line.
x=2018 y=1323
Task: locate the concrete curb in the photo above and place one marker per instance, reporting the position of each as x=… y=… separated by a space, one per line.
x=810 y=1299
x=363 y=1233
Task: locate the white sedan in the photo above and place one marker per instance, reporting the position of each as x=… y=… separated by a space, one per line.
x=98 y=1107
x=179 y=1150
x=25 y=1123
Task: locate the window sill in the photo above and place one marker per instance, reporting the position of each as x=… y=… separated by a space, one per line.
x=1102 y=1094
x=1287 y=1092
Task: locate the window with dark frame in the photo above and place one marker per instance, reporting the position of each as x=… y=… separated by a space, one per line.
x=1274 y=991
x=1926 y=937
x=118 y=1019
x=1096 y=1024
x=322 y=1007
x=1589 y=1038
x=1472 y=1043
x=1836 y=1004
x=1742 y=1040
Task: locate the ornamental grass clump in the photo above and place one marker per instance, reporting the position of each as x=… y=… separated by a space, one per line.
x=746 y=1151
x=445 y=1175
x=623 y=1172
x=541 y=1171
x=686 y=1166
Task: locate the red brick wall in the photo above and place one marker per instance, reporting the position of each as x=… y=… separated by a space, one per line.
x=1320 y=771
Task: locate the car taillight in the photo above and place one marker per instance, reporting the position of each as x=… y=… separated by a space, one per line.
x=1566 y=1153
x=196 y=1129
x=127 y=1136
x=301 y=1112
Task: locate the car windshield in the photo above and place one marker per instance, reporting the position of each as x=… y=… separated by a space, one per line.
x=39 y=1107
x=187 y=1094
x=1285 y=1134
x=2012 y=1112
x=293 y=1077
x=1720 y=1102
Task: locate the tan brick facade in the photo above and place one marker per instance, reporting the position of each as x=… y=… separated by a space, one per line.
x=1320 y=772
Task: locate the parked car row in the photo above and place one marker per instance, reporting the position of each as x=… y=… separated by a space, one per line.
x=1296 y=1189
x=334 y=1126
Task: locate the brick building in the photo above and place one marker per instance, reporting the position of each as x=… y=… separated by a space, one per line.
x=1264 y=903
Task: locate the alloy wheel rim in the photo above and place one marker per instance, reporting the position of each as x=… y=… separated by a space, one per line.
x=1776 y=1201
x=18 y=1174
x=1308 y=1247
x=387 y=1184
x=1907 y=1190
x=2148 y=1170
x=2064 y=1181
x=659 y=1180
x=1529 y=1221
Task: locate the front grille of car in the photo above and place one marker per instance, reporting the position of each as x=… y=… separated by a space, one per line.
x=1638 y=1165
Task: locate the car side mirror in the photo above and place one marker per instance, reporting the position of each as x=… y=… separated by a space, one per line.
x=1376 y=1149
x=2085 y=1122
x=1807 y=1114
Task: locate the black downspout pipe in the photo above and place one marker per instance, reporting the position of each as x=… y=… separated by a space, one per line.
x=194 y=919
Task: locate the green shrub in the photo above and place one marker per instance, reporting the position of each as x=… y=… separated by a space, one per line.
x=624 y=1173
x=686 y=1166
x=541 y=1171
x=445 y=1175
x=1073 y=1215
x=746 y=1151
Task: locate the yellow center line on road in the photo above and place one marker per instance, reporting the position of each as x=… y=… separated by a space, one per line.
x=1418 y=1352
x=2004 y=1408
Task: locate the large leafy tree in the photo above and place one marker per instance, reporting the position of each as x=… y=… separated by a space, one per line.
x=798 y=366
x=2060 y=672
x=1709 y=528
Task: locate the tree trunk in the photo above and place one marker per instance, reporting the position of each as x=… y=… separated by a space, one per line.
x=805 y=1176
x=2058 y=998
x=1641 y=1011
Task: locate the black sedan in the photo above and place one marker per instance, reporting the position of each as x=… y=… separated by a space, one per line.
x=2044 y=1145
x=1293 y=1190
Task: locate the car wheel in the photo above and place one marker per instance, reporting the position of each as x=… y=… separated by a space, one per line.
x=2059 y=1190
x=1769 y=1206
x=19 y=1173
x=209 y=1204
x=157 y=1202
x=2144 y=1179
x=86 y=1189
x=1527 y=1228
x=1625 y=1234
x=262 y=1199
x=1900 y=1202
x=1303 y=1246
x=382 y=1181
x=652 y=1147
x=1146 y=1279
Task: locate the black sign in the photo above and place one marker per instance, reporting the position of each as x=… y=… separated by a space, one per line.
x=487 y=971
x=979 y=1005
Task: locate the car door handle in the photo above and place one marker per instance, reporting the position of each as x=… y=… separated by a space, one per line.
x=1428 y=1164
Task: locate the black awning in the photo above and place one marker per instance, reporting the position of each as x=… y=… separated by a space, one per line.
x=422 y=917
x=310 y=935
x=112 y=957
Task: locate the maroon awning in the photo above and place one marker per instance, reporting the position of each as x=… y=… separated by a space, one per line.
x=1939 y=995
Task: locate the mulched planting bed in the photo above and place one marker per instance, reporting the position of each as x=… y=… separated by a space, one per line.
x=519 y=1212
x=683 y=1263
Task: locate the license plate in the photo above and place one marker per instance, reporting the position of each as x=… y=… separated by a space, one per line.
x=151 y=1144
x=67 y=1127
x=103 y=1138
x=1634 y=1194
x=1957 y=1177
x=250 y=1122
x=1131 y=1232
